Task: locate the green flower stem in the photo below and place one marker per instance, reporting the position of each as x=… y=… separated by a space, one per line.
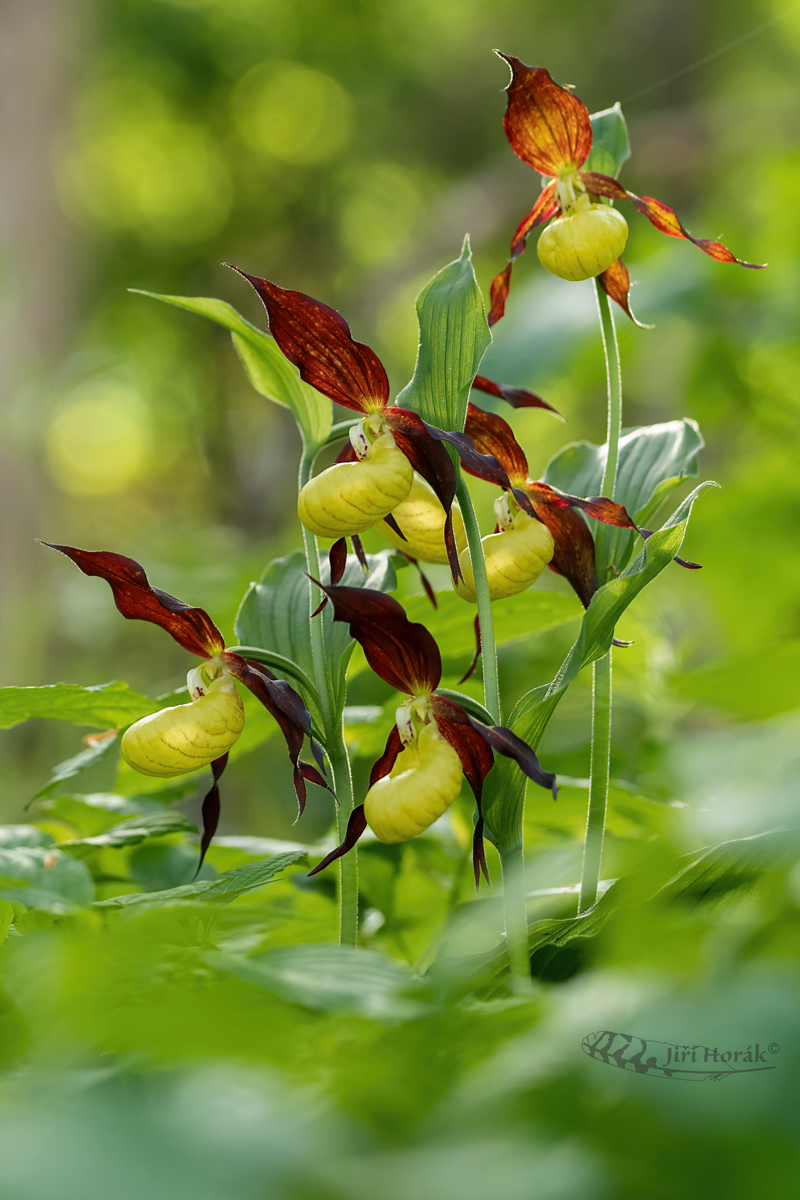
x=598 y=782
x=510 y=849
x=335 y=746
x=601 y=695
x=491 y=684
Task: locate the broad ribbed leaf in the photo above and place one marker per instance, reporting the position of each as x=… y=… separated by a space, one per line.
x=453 y=338
x=505 y=788
x=610 y=145
x=107 y=705
x=269 y=372
x=225 y=887
x=137 y=829
x=653 y=460
x=44 y=878
x=453 y=622
x=274 y=615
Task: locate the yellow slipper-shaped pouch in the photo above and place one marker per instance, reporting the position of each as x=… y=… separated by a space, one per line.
x=350 y=497
x=585 y=244
x=188 y=736
x=423 y=783
x=514 y=559
x=421 y=518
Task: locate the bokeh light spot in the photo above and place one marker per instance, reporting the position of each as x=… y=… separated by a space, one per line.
x=295 y=114
x=380 y=215
x=99 y=440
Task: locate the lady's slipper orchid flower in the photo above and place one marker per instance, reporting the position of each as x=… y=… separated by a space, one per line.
x=550 y=130
x=389 y=443
x=434 y=740
x=501 y=460
x=177 y=740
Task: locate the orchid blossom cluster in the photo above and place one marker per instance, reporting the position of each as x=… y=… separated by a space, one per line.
x=399 y=474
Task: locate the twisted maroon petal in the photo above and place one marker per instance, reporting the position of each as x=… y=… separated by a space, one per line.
x=516 y=397
x=355 y=827
x=544 y=208
x=211 y=809
x=430 y=459
x=616 y=283
x=389 y=757
x=191 y=628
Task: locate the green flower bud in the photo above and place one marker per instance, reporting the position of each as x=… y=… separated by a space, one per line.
x=188 y=736
x=421 y=518
x=515 y=559
x=423 y=783
x=351 y=497
x=584 y=244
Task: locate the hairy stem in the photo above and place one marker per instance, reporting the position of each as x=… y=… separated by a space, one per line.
x=510 y=848
x=601 y=702
x=333 y=736
x=491 y=684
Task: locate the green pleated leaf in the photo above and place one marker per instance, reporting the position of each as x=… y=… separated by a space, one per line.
x=76 y=765
x=107 y=705
x=225 y=887
x=274 y=615
x=453 y=338
x=504 y=791
x=610 y=144
x=269 y=372
x=653 y=461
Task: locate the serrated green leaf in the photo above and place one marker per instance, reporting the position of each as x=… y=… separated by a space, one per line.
x=453 y=338
x=611 y=147
x=504 y=792
x=74 y=766
x=653 y=460
x=274 y=615
x=225 y=887
x=269 y=372
x=330 y=978
x=135 y=830
x=105 y=704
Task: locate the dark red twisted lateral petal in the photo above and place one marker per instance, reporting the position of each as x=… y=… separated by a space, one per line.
x=430 y=459
x=317 y=339
x=402 y=652
x=544 y=208
x=516 y=397
x=355 y=827
x=294 y=720
x=547 y=127
x=211 y=809
x=191 y=628
x=384 y=764
x=482 y=466
x=662 y=216
x=337 y=561
x=477 y=761
x=616 y=283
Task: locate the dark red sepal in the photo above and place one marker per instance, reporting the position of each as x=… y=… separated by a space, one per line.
x=337 y=561
x=211 y=809
x=616 y=283
x=547 y=126
x=384 y=764
x=483 y=466
x=191 y=628
x=402 y=652
x=390 y=521
x=477 y=653
x=423 y=578
x=430 y=459
x=492 y=436
x=358 y=549
x=317 y=339
x=516 y=397
x=573 y=549
x=355 y=827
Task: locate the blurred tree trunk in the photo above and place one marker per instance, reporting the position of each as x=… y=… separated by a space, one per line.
x=37 y=40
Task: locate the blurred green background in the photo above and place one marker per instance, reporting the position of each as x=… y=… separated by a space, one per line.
x=344 y=149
